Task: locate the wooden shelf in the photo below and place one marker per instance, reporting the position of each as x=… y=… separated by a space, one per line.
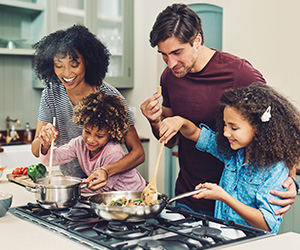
x=17 y=52
x=70 y=11
x=111 y=19
x=30 y=8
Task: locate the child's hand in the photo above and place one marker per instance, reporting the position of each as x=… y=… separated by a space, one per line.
x=169 y=127
x=213 y=192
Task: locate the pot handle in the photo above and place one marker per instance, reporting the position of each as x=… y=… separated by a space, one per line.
x=85 y=185
x=31 y=189
x=180 y=196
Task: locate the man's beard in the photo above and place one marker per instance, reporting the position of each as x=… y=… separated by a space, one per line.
x=184 y=72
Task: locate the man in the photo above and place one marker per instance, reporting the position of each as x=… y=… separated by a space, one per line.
x=192 y=84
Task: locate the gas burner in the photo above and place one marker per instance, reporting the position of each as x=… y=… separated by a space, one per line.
x=150 y=245
x=207 y=231
x=125 y=230
x=172 y=230
x=62 y=211
x=119 y=226
x=75 y=214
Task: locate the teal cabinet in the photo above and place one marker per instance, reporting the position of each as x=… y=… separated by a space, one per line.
x=143 y=168
x=23 y=23
x=111 y=21
x=291 y=220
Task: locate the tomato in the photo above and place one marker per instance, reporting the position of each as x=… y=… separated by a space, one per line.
x=20 y=171
x=16 y=171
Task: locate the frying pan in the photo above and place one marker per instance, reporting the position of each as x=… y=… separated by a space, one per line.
x=134 y=213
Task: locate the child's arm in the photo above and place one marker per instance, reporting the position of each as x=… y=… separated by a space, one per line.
x=170 y=126
x=251 y=215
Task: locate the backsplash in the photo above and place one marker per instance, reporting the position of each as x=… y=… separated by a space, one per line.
x=18 y=99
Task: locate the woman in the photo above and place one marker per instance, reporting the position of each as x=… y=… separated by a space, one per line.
x=73 y=64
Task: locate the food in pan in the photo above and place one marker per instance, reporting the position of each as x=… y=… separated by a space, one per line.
x=124 y=202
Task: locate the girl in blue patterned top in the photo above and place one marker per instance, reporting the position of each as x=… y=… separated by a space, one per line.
x=258 y=138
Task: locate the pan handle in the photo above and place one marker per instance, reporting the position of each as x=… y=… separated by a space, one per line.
x=180 y=196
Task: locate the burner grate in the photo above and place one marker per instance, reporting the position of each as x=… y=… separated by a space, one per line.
x=190 y=230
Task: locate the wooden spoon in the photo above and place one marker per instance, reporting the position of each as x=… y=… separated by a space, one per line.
x=51 y=153
x=150 y=192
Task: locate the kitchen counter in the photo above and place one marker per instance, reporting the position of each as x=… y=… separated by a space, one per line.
x=20 y=234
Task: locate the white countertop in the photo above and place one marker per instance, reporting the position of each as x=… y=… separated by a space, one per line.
x=19 y=234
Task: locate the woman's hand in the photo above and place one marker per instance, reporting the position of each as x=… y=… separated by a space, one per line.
x=213 y=192
x=169 y=127
x=97 y=180
x=288 y=197
x=47 y=133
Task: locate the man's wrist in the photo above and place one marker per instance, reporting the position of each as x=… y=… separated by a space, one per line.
x=154 y=122
x=296 y=183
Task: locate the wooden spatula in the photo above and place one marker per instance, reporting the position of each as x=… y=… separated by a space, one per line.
x=150 y=192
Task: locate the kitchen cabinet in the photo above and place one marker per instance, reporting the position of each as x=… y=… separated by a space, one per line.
x=143 y=168
x=291 y=220
x=24 y=22
x=111 y=21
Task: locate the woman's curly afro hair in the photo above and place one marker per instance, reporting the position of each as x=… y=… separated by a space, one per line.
x=103 y=111
x=275 y=140
x=74 y=40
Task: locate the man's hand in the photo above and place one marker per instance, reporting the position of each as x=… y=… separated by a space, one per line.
x=288 y=196
x=151 y=109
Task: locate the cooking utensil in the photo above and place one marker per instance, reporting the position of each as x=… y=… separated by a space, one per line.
x=51 y=153
x=150 y=192
x=63 y=192
x=134 y=213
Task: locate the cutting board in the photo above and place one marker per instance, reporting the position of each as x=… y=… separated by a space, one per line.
x=22 y=180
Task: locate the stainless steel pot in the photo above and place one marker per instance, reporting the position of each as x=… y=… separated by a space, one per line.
x=134 y=213
x=63 y=192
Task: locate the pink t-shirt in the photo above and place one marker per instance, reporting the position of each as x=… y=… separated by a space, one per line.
x=111 y=153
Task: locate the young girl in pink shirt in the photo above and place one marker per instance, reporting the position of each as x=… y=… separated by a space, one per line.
x=105 y=123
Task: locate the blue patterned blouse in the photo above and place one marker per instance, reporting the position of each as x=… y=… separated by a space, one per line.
x=245 y=183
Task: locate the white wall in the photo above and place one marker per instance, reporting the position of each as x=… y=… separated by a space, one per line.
x=266 y=32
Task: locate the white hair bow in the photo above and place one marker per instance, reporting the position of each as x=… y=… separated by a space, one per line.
x=265 y=117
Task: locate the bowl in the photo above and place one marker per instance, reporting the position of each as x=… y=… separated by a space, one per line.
x=5 y=203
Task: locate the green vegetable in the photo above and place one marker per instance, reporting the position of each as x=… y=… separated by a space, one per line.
x=36 y=171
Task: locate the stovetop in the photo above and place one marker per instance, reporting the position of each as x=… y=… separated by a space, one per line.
x=174 y=229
